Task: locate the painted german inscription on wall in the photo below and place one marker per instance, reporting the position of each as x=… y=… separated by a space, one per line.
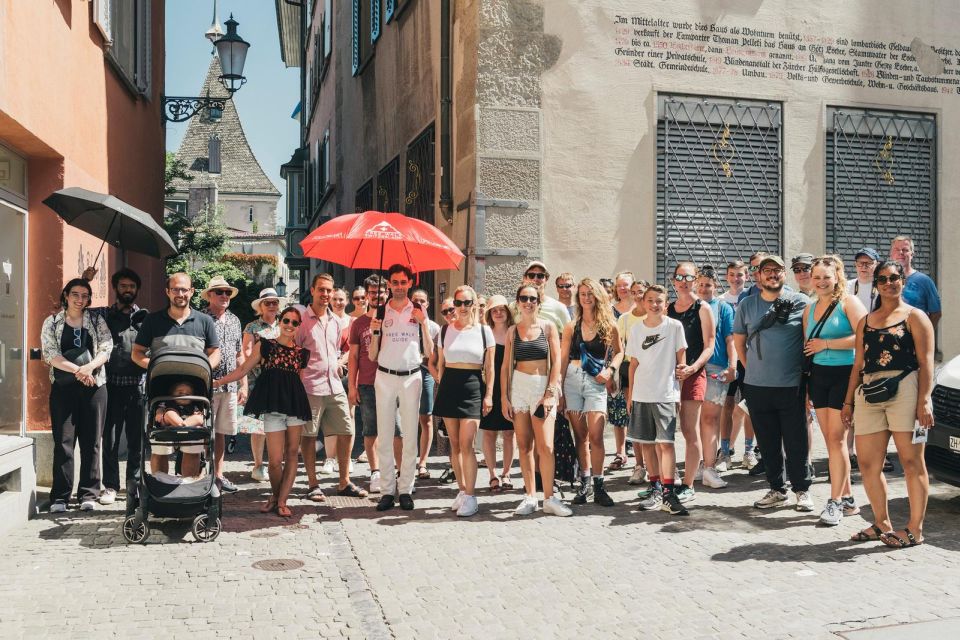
x=646 y=42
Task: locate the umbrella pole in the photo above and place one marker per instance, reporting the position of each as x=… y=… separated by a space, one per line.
x=97 y=259
x=382 y=309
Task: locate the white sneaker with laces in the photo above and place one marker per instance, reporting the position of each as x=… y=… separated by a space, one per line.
x=458 y=501
x=712 y=479
x=527 y=506
x=749 y=460
x=804 y=501
x=327 y=468
x=639 y=475
x=554 y=507
x=88 y=505
x=375 y=482
x=723 y=463
x=109 y=496
x=58 y=507
x=832 y=514
x=773 y=498
x=469 y=507
x=260 y=473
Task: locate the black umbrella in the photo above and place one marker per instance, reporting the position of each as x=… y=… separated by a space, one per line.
x=112 y=220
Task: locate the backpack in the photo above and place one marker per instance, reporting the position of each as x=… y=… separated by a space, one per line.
x=566 y=464
x=120 y=362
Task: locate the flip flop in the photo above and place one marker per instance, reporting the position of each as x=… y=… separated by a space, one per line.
x=864 y=536
x=495 y=485
x=352 y=491
x=270 y=505
x=315 y=495
x=617 y=463
x=422 y=473
x=284 y=511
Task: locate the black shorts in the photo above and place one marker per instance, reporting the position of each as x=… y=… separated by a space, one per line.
x=735 y=385
x=828 y=385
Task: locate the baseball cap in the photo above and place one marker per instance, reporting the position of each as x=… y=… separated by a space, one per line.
x=870 y=252
x=771 y=258
x=536 y=263
x=802 y=258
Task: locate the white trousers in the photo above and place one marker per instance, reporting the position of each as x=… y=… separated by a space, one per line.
x=392 y=390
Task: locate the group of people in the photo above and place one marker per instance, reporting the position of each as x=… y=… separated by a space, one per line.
x=755 y=358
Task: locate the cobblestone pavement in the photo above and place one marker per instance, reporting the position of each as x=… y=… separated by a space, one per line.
x=727 y=571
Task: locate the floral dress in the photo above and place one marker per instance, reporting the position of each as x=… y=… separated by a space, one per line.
x=279 y=388
x=260 y=330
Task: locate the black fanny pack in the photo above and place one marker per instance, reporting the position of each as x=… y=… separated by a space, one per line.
x=884 y=389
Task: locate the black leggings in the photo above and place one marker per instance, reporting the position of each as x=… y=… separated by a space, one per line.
x=77 y=413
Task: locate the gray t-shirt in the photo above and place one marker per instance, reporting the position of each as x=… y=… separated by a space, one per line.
x=775 y=355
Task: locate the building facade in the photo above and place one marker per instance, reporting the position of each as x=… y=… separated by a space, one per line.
x=604 y=135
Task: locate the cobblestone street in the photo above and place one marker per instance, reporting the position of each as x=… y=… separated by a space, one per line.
x=727 y=571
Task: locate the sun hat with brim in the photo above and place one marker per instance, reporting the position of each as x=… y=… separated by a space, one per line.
x=493 y=302
x=265 y=294
x=777 y=260
x=219 y=282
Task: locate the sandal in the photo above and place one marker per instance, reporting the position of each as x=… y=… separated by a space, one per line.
x=864 y=536
x=495 y=485
x=284 y=511
x=617 y=463
x=352 y=491
x=315 y=495
x=422 y=473
x=505 y=483
x=891 y=539
x=271 y=505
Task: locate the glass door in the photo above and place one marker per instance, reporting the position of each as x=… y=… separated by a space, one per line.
x=12 y=314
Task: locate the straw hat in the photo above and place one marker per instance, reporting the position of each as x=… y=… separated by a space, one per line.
x=219 y=282
x=493 y=302
x=265 y=294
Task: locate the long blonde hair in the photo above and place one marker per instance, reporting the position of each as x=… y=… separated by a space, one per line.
x=602 y=309
x=465 y=288
x=835 y=261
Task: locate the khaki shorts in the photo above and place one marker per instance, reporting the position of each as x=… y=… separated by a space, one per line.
x=897 y=414
x=331 y=416
x=225 y=413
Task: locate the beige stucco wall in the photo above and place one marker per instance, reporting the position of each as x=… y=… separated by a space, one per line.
x=236 y=211
x=565 y=126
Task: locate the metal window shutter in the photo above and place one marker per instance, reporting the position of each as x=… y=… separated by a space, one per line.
x=719 y=180
x=881 y=182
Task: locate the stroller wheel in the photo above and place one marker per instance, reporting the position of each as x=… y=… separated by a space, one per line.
x=136 y=531
x=205 y=531
x=231 y=444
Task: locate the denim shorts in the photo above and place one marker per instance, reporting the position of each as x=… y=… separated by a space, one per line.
x=716 y=391
x=426 y=392
x=274 y=421
x=368 y=412
x=582 y=393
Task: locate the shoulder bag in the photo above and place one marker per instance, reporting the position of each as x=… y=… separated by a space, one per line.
x=808 y=360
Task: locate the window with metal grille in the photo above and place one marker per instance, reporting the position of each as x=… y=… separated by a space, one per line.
x=374 y=20
x=388 y=186
x=719 y=175
x=362 y=35
x=419 y=198
x=363 y=201
x=881 y=182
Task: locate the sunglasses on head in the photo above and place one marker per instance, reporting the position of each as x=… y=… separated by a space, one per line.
x=527 y=299
x=536 y=275
x=295 y=323
x=684 y=278
x=463 y=303
x=448 y=311
x=221 y=292
x=801 y=269
x=892 y=278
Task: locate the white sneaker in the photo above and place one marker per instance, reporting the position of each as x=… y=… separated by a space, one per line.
x=458 y=501
x=712 y=479
x=528 y=505
x=554 y=507
x=698 y=476
x=327 y=468
x=749 y=460
x=804 y=501
x=58 y=507
x=773 y=498
x=832 y=514
x=88 y=505
x=639 y=476
x=260 y=473
x=109 y=496
x=723 y=463
x=469 y=507
x=375 y=482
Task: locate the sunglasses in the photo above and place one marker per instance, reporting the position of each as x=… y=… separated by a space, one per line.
x=564 y=286
x=221 y=292
x=803 y=269
x=892 y=278
x=865 y=264
x=684 y=278
x=77 y=335
x=295 y=323
x=359 y=298
x=463 y=303
x=448 y=311
x=753 y=269
x=528 y=299
x=271 y=303
x=535 y=275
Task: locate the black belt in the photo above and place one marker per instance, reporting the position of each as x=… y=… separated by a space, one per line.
x=398 y=373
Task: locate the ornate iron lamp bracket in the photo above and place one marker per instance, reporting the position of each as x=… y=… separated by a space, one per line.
x=181 y=109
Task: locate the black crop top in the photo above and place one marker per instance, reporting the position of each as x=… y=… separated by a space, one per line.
x=530 y=350
x=889 y=349
x=595 y=346
x=692 y=329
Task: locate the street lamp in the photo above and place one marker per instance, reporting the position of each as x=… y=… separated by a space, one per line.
x=281 y=288
x=232 y=50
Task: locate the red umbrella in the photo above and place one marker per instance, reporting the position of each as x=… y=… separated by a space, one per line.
x=374 y=240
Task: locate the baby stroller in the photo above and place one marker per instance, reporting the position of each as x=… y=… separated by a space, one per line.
x=148 y=495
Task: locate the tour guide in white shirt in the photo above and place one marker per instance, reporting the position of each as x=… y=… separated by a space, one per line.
x=396 y=348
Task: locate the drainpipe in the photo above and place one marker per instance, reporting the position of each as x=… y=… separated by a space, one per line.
x=446 y=101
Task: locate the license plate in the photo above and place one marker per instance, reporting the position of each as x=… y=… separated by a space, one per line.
x=955 y=443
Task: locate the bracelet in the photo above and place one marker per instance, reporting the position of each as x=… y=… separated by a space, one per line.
x=848 y=404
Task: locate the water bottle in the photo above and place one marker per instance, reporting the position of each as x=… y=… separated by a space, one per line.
x=720 y=377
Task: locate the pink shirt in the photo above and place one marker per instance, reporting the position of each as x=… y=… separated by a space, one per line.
x=323 y=336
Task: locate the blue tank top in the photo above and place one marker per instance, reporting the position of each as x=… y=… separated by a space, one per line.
x=837 y=326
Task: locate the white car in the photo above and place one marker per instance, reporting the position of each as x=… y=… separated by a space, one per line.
x=943 y=443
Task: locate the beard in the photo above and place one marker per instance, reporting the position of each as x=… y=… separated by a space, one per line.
x=775 y=288
x=126 y=298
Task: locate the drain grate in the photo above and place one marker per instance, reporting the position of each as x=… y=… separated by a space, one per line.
x=278 y=564
x=264 y=534
x=348 y=502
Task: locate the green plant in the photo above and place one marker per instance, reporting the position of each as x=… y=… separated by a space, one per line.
x=172 y=170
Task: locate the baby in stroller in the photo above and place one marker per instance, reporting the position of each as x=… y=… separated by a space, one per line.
x=179 y=413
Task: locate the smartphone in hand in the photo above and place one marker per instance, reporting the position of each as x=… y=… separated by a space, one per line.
x=539 y=412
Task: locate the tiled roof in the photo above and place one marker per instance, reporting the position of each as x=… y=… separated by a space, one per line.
x=240 y=171
x=238 y=234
